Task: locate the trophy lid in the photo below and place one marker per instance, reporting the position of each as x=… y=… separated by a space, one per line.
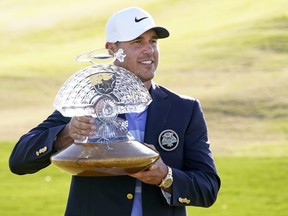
x=84 y=89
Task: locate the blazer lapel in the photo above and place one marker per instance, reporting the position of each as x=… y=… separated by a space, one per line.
x=158 y=112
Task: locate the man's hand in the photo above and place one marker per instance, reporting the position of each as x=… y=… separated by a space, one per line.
x=81 y=127
x=77 y=129
x=153 y=174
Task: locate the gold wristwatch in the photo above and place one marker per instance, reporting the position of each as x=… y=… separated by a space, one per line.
x=168 y=180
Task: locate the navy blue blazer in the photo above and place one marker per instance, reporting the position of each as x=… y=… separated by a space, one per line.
x=175 y=126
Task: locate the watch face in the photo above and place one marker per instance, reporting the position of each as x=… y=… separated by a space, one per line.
x=168 y=182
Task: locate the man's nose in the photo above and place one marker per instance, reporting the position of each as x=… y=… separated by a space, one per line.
x=149 y=49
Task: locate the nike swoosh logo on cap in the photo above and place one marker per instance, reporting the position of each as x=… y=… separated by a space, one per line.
x=138 y=20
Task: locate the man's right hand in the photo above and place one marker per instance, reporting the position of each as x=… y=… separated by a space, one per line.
x=80 y=127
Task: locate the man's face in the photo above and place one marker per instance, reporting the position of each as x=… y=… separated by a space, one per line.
x=142 y=56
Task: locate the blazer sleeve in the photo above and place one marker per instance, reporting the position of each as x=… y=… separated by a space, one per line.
x=33 y=150
x=197 y=182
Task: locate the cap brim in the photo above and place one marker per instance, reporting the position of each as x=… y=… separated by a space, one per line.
x=161 y=32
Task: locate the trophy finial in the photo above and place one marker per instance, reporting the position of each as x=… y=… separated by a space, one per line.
x=120 y=55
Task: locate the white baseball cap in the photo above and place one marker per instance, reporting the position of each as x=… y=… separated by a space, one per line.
x=129 y=23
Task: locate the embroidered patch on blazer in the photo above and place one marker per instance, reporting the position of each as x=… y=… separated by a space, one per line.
x=168 y=140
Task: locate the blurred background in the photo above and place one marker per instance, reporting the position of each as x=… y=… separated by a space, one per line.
x=231 y=55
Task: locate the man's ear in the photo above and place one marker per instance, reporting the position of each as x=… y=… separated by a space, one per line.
x=111 y=46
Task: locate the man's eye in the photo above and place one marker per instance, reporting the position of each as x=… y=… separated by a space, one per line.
x=137 y=41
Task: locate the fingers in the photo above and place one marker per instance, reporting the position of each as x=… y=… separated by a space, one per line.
x=81 y=127
x=151 y=147
x=153 y=174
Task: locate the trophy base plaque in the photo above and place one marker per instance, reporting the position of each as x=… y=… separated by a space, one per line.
x=105 y=159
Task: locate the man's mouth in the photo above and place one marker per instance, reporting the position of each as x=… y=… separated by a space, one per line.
x=147 y=62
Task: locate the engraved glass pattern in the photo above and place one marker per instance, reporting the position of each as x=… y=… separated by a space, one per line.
x=103 y=92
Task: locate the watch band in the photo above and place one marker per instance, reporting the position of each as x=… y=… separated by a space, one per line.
x=168 y=180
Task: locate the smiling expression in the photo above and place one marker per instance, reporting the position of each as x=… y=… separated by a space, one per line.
x=142 y=55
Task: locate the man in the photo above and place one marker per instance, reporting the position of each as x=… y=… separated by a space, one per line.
x=184 y=174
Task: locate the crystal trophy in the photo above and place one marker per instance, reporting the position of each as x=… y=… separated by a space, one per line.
x=104 y=91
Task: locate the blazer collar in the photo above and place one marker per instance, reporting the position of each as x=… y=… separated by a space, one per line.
x=157 y=93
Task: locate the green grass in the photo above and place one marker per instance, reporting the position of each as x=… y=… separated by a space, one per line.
x=43 y=193
x=250 y=186
x=232 y=55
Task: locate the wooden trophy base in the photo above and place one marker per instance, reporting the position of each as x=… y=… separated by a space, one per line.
x=105 y=159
